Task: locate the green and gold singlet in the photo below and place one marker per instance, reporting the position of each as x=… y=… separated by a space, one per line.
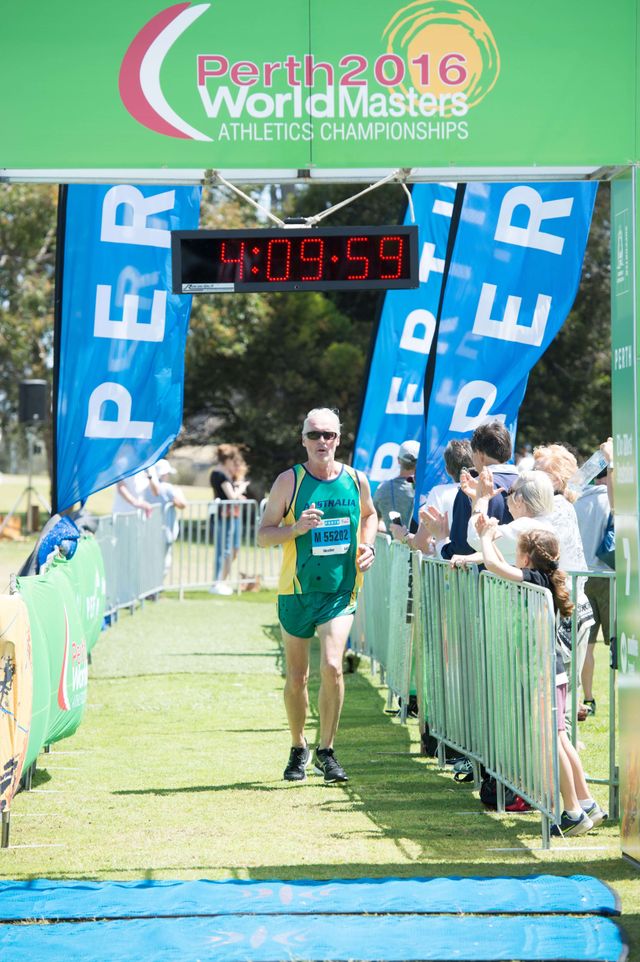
x=323 y=559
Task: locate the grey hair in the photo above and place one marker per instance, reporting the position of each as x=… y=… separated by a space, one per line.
x=322 y=413
x=536 y=490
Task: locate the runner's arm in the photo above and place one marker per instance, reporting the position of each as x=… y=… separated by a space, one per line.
x=271 y=530
x=368 y=525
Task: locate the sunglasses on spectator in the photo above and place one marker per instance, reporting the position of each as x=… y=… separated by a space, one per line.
x=325 y=435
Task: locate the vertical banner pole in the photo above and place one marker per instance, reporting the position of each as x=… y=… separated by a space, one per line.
x=57 y=326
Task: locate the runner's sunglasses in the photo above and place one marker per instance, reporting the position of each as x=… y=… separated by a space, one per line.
x=325 y=435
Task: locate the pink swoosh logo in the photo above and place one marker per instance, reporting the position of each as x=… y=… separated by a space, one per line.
x=139 y=80
x=63 y=698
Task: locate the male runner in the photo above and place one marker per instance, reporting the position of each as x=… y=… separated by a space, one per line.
x=322 y=514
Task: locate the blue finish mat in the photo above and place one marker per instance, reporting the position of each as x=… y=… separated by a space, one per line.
x=44 y=899
x=272 y=938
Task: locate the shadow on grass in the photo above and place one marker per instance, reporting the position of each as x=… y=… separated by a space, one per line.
x=408 y=800
x=196 y=789
x=221 y=654
x=274 y=635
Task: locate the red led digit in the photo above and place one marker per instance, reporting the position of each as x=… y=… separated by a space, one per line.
x=316 y=258
x=397 y=257
x=234 y=260
x=357 y=257
x=287 y=264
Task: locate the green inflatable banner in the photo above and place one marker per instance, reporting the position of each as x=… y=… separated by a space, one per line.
x=66 y=608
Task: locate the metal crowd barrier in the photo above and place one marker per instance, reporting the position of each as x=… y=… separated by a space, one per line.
x=208 y=542
x=452 y=657
x=372 y=625
x=520 y=740
x=133 y=548
x=485 y=651
x=399 y=651
x=216 y=541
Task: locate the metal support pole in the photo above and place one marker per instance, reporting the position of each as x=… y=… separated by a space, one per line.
x=30 y=478
x=546 y=832
x=6 y=822
x=27 y=778
x=614 y=772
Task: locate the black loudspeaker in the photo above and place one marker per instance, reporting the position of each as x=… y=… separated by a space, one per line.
x=33 y=402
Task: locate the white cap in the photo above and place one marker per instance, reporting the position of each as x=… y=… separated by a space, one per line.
x=409 y=451
x=163 y=467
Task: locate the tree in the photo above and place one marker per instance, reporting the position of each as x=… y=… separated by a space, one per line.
x=27 y=268
x=257 y=363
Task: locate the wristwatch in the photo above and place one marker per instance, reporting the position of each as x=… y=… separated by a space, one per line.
x=372 y=546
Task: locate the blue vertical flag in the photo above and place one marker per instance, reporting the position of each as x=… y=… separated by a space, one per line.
x=120 y=334
x=513 y=278
x=393 y=409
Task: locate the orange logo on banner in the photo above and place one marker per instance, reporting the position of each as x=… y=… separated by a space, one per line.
x=448 y=47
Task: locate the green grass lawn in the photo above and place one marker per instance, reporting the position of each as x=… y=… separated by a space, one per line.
x=176 y=773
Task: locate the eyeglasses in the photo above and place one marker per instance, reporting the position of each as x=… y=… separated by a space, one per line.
x=325 y=435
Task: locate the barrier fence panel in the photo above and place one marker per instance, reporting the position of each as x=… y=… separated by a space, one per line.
x=452 y=655
x=358 y=636
x=376 y=604
x=521 y=743
x=418 y=639
x=485 y=657
x=133 y=548
x=215 y=542
x=399 y=654
x=435 y=644
x=105 y=536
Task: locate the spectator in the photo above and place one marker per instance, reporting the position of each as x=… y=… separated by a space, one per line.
x=396 y=496
x=229 y=484
x=530 y=503
x=560 y=465
x=593 y=509
x=491 y=448
x=537 y=555
x=457 y=456
x=133 y=493
x=170 y=497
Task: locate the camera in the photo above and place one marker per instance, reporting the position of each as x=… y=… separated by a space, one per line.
x=395 y=517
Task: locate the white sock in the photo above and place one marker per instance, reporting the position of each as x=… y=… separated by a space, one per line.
x=585 y=803
x=574 y=814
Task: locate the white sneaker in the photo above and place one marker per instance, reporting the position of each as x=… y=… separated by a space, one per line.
x=595 y=813
x=220 y=589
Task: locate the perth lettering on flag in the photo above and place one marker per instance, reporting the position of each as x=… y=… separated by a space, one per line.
x=511 y=283
x=118 y=398
x=393 y=408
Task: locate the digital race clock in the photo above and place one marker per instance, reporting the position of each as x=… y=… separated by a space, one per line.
x=294 y=259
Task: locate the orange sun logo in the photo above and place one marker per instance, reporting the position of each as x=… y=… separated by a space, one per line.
x=448 y=48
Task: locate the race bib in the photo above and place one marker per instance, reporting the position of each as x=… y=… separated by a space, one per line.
x=332 y=536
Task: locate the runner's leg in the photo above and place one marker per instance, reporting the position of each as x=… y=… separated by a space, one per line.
x=296 y=695
x=333 y=637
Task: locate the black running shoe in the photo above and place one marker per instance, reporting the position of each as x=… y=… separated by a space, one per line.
x=325 y=763
x=299 y=758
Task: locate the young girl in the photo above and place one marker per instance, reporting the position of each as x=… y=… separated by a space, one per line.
x=537 y=554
